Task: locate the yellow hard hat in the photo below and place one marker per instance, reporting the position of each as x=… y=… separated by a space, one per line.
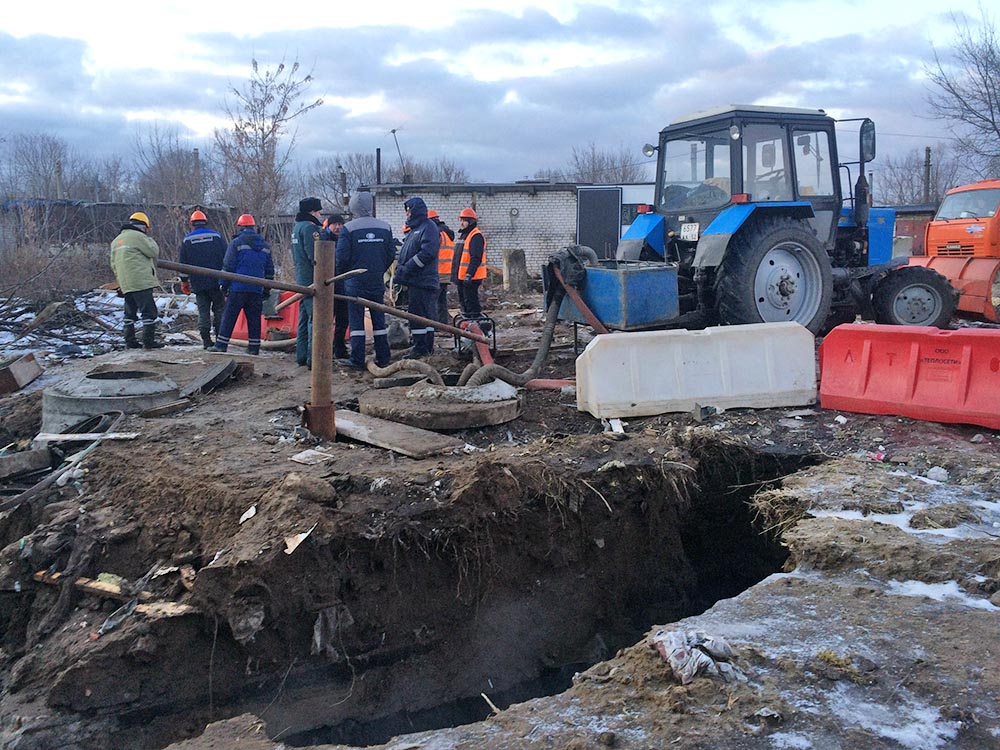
x=140 y=216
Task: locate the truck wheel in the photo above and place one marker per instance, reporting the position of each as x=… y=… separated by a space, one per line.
x=777 y=271
x=914 y=296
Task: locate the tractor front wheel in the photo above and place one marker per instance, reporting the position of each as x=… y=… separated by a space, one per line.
x=914 y=296
x=775 y=271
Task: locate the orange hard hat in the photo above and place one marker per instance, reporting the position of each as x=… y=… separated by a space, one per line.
x=246 y=220
x=467 y=213
x=432 y=214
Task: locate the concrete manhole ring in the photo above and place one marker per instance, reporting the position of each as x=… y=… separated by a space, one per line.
x=435 y=407
x=104 y=390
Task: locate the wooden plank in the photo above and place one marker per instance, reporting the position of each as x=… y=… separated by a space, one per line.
x=210 y=378
x=91 y=586
x=50 y=437
x=172 y=408
x=24 y=461
x=401 y=438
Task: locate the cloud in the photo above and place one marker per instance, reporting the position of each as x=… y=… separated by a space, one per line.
x=503 y=92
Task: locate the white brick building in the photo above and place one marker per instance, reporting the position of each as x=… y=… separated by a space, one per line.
x=538 y=218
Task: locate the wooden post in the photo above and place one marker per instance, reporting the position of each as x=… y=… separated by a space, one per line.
x=319 y=412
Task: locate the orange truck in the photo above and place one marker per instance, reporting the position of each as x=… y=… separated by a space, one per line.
x=962 y=243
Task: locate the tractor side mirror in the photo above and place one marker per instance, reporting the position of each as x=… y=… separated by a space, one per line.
x=767 y=156
x=805 y=142
x=867 y=141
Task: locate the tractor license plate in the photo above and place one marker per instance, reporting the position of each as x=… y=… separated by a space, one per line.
x=689 y=232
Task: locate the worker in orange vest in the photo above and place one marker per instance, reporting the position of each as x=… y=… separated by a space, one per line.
x=445 y=257
x=471 y=269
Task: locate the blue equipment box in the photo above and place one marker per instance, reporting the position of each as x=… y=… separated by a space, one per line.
x=627 y=295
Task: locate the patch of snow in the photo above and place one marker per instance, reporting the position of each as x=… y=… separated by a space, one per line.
x=914 y=725
x=790 y=740
x=949 y=591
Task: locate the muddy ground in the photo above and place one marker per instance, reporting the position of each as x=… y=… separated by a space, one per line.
x=859 y=595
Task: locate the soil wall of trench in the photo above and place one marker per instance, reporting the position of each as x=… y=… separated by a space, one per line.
x=412 y=595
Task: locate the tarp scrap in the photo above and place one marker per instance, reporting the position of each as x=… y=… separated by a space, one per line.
x=692 y=653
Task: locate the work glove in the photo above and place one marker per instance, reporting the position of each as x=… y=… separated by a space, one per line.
x=185 y=287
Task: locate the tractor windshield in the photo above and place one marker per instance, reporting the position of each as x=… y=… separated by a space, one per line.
x=970 y=204
x=695 y=171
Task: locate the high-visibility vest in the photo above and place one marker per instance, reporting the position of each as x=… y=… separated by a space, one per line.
x=463 y=263
x=446 y=255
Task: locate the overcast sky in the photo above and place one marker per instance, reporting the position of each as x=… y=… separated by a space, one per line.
x=502 y=87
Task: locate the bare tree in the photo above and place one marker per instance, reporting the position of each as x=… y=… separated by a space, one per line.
x=360 y=168
x=169 y=172
x=613 y=166
x=904 y=180
x=965 y=93
x=35 y=166
x=328 y=180
x=253 y=154
x=442 y=169
x=552 y=175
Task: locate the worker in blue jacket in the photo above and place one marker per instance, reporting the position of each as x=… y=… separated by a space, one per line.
x=249 y=255
x=417 y=269
x=206 y=248
x=366 y=242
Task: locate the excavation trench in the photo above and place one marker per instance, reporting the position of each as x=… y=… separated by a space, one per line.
x=408 y=603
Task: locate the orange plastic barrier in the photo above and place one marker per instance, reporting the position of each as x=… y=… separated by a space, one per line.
x=288 y=323
x=911 y=371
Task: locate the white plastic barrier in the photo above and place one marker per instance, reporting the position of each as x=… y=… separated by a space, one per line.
x=652 y=372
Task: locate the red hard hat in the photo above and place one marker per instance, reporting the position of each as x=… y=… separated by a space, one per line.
x=198 y=216
x=246 y=220
x=467 y=213
x=432 y=214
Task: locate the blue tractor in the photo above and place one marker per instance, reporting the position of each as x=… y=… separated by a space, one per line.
x=749 y=208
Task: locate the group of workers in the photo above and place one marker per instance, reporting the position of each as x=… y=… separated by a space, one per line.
x=426 y=265
x=220 y=302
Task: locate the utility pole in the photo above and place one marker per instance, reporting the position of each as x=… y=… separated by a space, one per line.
x=927 y=174
x=344 y=197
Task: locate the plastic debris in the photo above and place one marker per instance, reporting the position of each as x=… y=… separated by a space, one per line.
x=292 y=542
x=692 y=653
x=840 y=419
x=248 y=514
x=614 y=425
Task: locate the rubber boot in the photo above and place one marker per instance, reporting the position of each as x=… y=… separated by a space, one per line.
x=131 y=342
x=149 y=338
x=206 y=337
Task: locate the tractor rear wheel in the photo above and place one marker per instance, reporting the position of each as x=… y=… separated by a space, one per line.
x=914 y=296
x=775 y=271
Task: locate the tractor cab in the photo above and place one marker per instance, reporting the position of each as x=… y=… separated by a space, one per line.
x=774 y=159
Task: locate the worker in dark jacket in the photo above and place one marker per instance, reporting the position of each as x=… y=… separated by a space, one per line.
x=446 y=257
x=248 y=255
x=206 y=248
x=470 y=271
x=418 y=271
x=331 y=233
x=366 y=242
x=307 y=226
